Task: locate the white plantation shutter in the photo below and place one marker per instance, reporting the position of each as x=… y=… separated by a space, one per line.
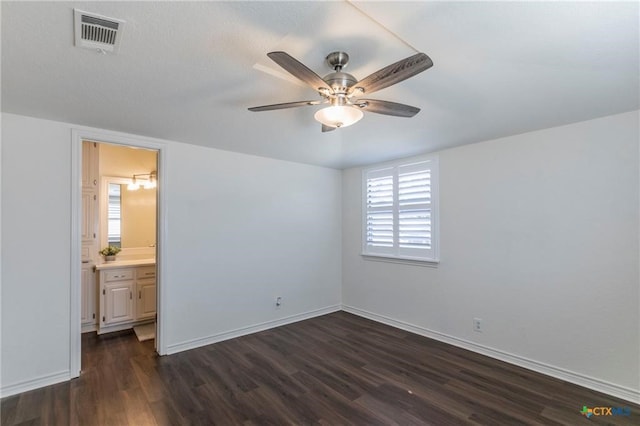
x=113 y=215
x=400 y=215
x=380 y=219
x=414 y=209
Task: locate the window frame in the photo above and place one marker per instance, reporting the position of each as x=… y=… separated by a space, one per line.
x=396 y=253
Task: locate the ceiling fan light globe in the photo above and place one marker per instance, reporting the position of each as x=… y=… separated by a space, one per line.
x=339 y=116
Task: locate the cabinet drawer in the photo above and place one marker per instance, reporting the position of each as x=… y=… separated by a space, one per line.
x=146 y=272
x=118 y=275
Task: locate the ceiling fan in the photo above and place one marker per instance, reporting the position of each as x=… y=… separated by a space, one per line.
x=342 y=91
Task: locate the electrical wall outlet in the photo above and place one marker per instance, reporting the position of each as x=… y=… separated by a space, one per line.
x=477 y=325
x=278 y=302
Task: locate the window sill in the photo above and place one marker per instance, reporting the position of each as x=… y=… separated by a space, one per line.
x=431 y=263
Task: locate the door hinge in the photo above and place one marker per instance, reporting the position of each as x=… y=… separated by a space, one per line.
x=130 y=295
x=95 y=183
x=95 y=145
x=140 y=294
x=103 y=293
x=103 y=318
x=95 y=198
x=94 y=316
x=94 y=235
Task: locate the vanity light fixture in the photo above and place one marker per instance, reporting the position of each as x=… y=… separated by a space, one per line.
x=150 y=181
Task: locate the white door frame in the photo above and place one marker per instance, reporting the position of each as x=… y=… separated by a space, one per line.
x=102 y=136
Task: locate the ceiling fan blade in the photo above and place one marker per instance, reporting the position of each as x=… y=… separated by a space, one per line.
x=327 y=128
x=387 y=108
x=299 y=70
x=284 y=105
x=395 y=73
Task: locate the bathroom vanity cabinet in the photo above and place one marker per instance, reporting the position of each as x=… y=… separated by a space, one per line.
x=127 y=293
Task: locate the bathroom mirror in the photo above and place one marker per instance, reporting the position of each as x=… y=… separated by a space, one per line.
x=128 y=218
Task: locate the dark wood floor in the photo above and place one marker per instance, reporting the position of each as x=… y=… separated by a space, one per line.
x=332 y=370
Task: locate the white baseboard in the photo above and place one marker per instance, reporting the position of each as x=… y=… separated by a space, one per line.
x=618 y=391
x=196 y=343
x=38 y=382
x=612 y=389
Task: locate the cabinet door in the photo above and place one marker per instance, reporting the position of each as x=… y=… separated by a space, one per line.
x=88 y=295
x=89 y=165
x=146 y=301
x=118 y=302
x=89 y=222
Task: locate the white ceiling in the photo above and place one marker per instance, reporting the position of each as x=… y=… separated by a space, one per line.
x=189 y=71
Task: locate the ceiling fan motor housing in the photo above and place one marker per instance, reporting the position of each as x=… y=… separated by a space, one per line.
x=340 y=82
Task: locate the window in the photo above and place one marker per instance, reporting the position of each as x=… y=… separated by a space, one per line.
x=114 y=215
x=400 y=215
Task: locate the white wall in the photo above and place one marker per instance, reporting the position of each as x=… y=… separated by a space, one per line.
x=241 y=230
x=539 y=239
x=36 y=218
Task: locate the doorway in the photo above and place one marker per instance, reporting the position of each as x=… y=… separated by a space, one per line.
x=102 y=296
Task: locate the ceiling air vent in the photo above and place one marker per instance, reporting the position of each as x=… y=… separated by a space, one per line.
x=97 y=32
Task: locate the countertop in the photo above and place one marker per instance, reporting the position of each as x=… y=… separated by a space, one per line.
x=125 y=263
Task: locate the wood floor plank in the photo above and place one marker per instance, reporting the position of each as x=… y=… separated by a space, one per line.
x=28 y=407
x=337 y=369
x=56 y=407
x=387 y=411
x=222 y=411
x=137 y=407
x=166 y=414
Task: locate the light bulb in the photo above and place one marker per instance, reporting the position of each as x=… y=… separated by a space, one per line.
x=134 y=185
x=150 y=184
